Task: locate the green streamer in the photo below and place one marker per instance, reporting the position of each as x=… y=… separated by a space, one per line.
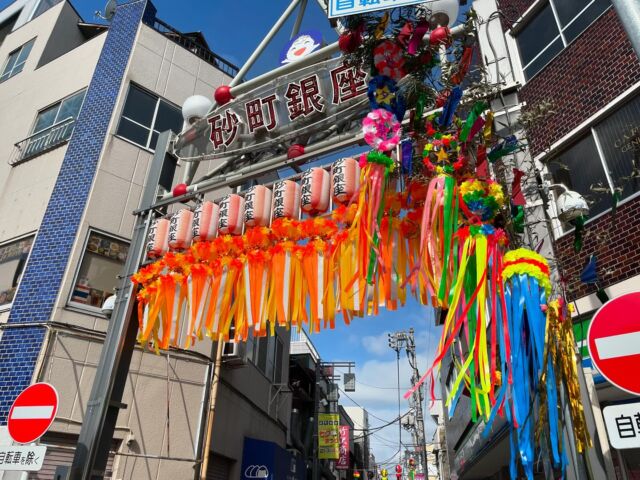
x=475 y=112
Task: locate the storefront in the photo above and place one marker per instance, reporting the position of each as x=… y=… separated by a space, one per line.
x=267 y=460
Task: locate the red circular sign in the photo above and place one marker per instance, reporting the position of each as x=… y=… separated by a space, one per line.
x=32 y=412
x=614 y=342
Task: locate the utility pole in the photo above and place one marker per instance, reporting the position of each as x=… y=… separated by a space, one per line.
x=629 y=15
x=406 y=340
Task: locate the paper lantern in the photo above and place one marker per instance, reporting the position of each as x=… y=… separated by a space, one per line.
x=205 y=222
x=286 y=200
x=316 y=184
x=180 y=230
x=231 y=215
x=345 y=180
x=257 y=207
x=158 y=238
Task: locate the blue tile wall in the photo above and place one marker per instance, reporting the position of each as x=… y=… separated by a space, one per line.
x=36 y=296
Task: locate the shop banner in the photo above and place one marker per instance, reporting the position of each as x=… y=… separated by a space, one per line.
x=328 y=436
x=343 y=461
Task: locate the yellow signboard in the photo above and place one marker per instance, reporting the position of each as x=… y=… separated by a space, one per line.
x=329 y=436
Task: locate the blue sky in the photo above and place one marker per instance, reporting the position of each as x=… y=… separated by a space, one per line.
x=233 y=29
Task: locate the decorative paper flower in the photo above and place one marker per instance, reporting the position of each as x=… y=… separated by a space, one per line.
x=527 y=262
x=381 y=130
x=383 y=93
x=481 y=198
x=388 y=59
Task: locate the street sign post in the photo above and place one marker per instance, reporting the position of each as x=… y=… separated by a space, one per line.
x=623 y=425
x=614 y=342
x=32 y=413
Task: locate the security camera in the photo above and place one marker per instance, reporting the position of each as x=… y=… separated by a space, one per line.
x=107 y=306
x=131 y=439
x=571 y=205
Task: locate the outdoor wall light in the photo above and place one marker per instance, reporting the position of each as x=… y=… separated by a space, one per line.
x=107 y=306
x=570 y=204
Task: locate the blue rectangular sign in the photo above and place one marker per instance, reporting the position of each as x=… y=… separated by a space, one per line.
x=341 y=8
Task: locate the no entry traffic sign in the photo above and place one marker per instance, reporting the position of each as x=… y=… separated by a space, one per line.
x=32 y=412
x=614 y=342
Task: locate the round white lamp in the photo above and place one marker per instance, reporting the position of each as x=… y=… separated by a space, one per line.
x=444 y=13
x=195 y=108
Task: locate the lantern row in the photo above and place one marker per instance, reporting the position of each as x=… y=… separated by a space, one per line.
x=258 y=207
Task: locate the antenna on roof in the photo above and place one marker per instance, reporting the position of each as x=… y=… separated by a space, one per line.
x=109 y=11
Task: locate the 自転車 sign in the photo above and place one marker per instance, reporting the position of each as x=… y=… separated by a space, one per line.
x=22 y=458
x=342 y=8
x=623 y=425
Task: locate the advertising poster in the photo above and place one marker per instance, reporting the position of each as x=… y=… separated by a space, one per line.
x=328 y=436
x=343 y=460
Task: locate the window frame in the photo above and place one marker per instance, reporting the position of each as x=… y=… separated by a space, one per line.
x=154 y=119
x=590 y=129
x=79 y=307
x=7 y=306
x=18 y=52
x=33 y=132
x=534 y=10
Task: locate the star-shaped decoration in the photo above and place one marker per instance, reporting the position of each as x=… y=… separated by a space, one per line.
x=443 y=156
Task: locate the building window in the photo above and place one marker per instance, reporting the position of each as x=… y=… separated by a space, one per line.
x=16 y=60
x=556 y=25
x=13 y=257
x=145 y=116
x=97 y=277
x=53 y=127
x=605 y=161
x=266 y=354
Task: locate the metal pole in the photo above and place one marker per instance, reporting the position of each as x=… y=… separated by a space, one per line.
x=629 y=15
x=212 y=408
x=104 y=404
x=296 y=26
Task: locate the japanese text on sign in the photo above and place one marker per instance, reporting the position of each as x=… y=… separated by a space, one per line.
x=623 y=425
x=341 y=8
x=328 y=436
x=22 y=458
x=301 y=98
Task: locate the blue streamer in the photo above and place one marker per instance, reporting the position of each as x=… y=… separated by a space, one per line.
x=450 y=107
x=407 y=157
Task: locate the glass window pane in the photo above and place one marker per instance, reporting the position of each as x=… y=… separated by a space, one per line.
x=154 y=140
x=580 y=168
x=11 y=61
x=279 y=353
x=97 y=278
x=13 y=257
x=44 y=6
x=133 y=132
x=585 y=19
x=263 y=348
x=70 y=107
x=168 y=118
x=46 y=118
x=543 y=60
x=140 y=106
x=539 y=32
x=619 y=137
x=24 y=53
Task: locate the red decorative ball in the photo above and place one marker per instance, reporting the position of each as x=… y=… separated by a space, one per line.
x=179 y=190
x=295 y=151
x=223 y=94
x=440 y=36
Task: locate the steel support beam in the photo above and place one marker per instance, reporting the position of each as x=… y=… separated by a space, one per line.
x=105 y=401
x=629 y=14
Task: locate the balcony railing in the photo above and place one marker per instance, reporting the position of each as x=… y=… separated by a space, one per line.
x=44 y=140
x=300 y=343
x=195 y=47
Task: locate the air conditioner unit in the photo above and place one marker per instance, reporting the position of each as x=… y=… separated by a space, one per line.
x=234 y=354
